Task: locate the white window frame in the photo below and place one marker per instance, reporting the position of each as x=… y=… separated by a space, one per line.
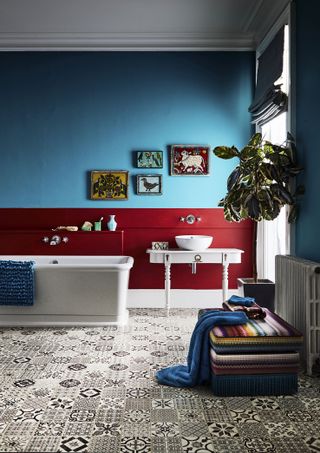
x=264 y=264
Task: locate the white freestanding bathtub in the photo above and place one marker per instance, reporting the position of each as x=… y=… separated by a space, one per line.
x=73 y=290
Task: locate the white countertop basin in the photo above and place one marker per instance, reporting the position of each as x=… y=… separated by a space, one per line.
x=196 y=242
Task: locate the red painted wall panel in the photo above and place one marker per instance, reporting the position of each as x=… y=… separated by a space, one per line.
x=140 y=227
x=30 y=242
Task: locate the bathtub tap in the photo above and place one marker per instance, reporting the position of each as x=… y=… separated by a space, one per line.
x=55 y=240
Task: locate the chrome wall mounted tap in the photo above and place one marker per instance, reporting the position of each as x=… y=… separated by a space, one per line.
x=190 y=219
x=55 y=240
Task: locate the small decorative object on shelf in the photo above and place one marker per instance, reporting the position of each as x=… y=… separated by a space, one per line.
x=160 y=245
x=87 y=226
x=112 y=224
x=192 y=160
x=68 y=228
x=97 y=225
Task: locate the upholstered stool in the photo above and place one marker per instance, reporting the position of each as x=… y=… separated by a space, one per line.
x=257 y=358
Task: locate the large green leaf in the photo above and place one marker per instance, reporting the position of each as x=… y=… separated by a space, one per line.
x=249 y=152
x=285 y=195
x=255 y=140
x=254 y=208
x=268 y=149
x=233 y=178
x=226 y=152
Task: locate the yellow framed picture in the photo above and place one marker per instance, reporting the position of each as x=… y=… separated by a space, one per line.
x=109 y=185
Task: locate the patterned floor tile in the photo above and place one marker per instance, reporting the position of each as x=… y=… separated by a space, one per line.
x=282 y=430
x=74 y=444
x=189 y=415
x=45 y=430
x=260 y=445
x=104 y=444
x=218 y=415
x=164 y=415
x=221 y=429
x=313 y=443
x=165 y=429
x=245 y=416
x=229 y=445
x=136 y=429
x=78 y=428
x=44 y=444
x=13 y=443
x=93 y=390
x=135 y=445
x=197 y=444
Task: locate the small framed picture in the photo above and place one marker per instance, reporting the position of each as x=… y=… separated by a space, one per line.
x=162 y=245
x=149 y=159
x=190 y=160
x=109 y=185
x=149 y=184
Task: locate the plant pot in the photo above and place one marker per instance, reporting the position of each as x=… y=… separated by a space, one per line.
x=263 y=291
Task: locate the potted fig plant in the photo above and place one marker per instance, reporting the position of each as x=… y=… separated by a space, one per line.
x=257 y=189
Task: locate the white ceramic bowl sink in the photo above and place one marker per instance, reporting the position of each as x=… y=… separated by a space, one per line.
x=195 y=242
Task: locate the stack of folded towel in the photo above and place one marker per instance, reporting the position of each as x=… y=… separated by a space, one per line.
x=259 y=357
x=240 y=352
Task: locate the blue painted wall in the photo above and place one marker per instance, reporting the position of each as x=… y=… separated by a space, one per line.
x=64 y=114
x=307 y=118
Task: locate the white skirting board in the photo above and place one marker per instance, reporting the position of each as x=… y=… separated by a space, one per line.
x=180 y=298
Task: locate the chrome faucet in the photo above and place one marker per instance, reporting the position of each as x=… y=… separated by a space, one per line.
x=190 y=219
x=55 y=240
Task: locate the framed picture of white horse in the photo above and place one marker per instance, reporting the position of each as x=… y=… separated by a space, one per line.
x=189 y=160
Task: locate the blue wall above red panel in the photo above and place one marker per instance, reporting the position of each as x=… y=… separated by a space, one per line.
x=63 y=114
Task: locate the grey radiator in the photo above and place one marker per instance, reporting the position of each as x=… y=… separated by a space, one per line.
x=297 y=300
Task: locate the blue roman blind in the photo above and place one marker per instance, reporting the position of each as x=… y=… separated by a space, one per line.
x=269 y=100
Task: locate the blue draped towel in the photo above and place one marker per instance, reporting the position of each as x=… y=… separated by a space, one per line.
x=16 y=283
x=245 y=301
x=197 y=371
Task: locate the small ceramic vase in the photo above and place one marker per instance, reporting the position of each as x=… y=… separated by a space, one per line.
x=112 y=224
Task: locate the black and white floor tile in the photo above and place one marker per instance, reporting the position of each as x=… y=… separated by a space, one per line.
x=92 y=390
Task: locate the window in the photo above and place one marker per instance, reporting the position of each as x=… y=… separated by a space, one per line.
x=274 y=236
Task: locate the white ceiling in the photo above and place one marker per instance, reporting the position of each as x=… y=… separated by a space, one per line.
x=136 y=24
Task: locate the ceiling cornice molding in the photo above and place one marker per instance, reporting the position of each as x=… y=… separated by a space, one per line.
x=266 y=15
x=251 y=15
x=126 y=41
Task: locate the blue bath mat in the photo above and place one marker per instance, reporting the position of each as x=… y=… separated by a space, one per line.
x=16 y=283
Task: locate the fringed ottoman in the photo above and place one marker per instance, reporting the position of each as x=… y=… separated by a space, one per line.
x=257 y=358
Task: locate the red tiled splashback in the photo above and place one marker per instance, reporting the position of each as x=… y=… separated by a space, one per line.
x=21 y=231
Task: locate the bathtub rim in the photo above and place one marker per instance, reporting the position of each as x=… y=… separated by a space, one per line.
x=125 y=266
